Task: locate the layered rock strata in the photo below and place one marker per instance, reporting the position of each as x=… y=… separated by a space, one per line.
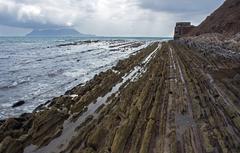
x=170 y=97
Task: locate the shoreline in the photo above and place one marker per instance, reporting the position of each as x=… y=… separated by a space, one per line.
x=25 y=118
x=46 y=84
x=169 y=96
x=176 y=96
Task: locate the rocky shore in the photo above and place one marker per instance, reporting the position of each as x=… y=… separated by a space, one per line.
x=171 y=97
x=49 y=118
x=180 y=96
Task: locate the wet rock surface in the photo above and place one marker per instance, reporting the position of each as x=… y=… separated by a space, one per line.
x=19 y=103
x=169 y=97
x=46 y=121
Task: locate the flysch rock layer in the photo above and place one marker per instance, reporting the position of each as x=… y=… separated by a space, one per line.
x=172 y=97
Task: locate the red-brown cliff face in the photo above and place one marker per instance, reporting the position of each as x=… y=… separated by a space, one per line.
x=225 y=20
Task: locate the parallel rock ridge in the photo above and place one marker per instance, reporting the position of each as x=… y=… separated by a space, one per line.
x=179 y=96
x=170 y=97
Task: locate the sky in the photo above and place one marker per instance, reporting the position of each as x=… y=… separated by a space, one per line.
x=102 y=17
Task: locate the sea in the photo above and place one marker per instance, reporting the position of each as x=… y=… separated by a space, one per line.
x=35 y=69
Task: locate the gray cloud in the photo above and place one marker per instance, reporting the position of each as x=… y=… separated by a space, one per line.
x=105 y=17
x=41 y=13
x=11 y=21
x=180 y=6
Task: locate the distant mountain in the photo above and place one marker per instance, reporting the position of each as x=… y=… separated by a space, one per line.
x=57 y=33
x=225 y=20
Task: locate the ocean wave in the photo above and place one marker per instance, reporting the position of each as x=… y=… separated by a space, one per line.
x=78 y=43
x=75 y=73
x=52 y=71
x=13 y=84
x=4 y=57
x=55 y=73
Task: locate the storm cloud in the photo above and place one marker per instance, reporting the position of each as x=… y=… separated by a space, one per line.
x=105 y=17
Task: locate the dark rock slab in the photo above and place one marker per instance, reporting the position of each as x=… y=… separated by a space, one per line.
x=17 y=104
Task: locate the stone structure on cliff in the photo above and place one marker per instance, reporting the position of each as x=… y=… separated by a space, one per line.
x=182 y=28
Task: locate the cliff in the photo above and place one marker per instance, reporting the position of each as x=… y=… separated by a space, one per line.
x=225 y=20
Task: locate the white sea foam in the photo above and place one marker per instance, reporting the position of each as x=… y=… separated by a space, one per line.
x=75 y=73
x=59 y=68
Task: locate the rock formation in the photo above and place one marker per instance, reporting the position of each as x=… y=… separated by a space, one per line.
x=225 y=20
x=180 y=96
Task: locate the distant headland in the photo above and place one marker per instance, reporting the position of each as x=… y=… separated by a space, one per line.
x=64 y=32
